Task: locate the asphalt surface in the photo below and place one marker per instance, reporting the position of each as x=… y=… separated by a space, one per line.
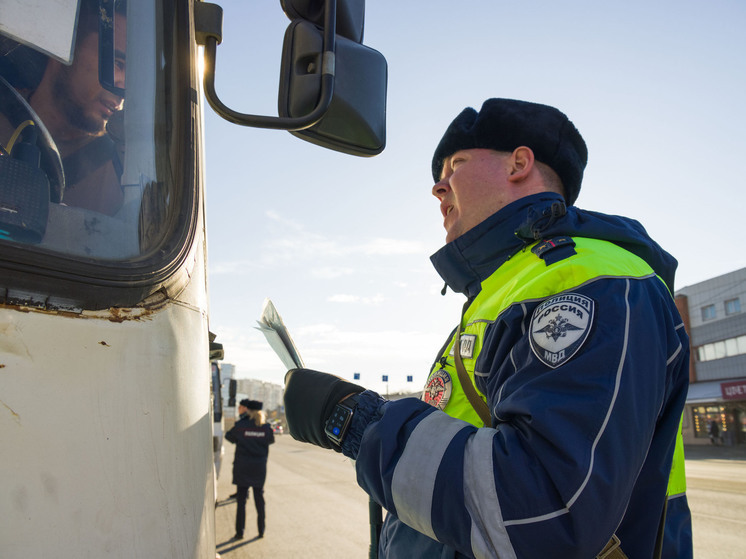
x=315 y=508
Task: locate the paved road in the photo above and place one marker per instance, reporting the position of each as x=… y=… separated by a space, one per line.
x=315 y=508
x=716 y=489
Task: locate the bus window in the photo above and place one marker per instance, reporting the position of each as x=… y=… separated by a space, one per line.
x=89 y=166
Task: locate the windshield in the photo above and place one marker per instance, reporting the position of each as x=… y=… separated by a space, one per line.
x=89 y=149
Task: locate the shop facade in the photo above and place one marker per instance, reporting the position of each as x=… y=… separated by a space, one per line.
x=715 y=410
x=723 y=403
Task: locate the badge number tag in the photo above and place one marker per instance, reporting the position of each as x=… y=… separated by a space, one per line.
x=468 y=343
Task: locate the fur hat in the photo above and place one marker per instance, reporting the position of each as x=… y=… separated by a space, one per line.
x=251 y=404
x=505 y=124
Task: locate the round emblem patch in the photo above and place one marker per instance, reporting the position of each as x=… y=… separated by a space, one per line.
x=559 y=327
x=437 y=389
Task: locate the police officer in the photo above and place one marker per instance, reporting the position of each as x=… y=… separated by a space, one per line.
x=252 y=436
x=560 y=391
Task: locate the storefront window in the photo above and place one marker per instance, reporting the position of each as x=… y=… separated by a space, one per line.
x=703 y=416
x=736 y=417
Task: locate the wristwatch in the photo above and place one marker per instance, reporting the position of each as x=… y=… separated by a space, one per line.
x=339 y=421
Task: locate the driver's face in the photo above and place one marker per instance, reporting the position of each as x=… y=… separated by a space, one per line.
x=87 y=106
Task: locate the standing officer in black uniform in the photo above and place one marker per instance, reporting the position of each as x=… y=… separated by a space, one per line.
x=252 y=436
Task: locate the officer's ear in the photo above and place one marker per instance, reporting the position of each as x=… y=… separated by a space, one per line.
x=521 y=162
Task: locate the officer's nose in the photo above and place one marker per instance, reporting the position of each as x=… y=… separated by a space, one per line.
x=441 y=188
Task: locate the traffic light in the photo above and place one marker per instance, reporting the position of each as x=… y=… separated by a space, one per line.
x=323 y=57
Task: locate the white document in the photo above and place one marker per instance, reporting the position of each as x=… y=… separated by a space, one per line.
x=271 y=325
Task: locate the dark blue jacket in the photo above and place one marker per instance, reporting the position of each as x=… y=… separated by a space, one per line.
x=252 y=449
x=575 y=453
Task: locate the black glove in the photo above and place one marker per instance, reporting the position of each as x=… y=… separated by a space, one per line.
x=310 y=398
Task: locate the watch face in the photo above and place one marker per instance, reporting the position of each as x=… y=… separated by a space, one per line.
x=336 y=425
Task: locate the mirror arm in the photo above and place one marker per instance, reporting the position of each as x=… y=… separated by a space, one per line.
x=277 y=123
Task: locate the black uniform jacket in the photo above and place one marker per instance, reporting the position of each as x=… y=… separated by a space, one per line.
x=252 y=448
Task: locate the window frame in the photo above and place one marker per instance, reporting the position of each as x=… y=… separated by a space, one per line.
x=705 y=312
x=36 y=277
x=736 y=304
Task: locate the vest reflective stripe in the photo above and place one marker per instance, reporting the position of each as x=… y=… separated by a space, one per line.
x=527 y=278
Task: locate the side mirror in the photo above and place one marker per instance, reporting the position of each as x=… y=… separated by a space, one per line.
x=355 y=122
x=350 y=14
x=332 y=88
x=216 y=351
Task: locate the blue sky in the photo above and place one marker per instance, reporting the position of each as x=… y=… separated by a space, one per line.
x=341 y=244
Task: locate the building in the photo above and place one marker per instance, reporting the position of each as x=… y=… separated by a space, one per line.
x=270 y=394
x=714 y=312
x=267 y=392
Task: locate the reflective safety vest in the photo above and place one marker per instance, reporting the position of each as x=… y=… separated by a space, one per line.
x=677 y=478
x=528 y=278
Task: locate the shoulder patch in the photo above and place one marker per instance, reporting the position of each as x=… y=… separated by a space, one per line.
x=438 y=389
x=554 y=249
x=559 y=327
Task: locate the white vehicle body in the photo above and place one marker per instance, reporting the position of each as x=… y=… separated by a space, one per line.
x=106 y=418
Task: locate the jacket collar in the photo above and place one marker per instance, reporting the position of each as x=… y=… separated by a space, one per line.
x=467 y=261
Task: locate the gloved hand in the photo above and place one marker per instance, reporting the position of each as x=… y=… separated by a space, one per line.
x=310 y=398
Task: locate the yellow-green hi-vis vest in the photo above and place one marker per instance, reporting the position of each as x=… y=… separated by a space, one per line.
x=526 y=277
x=677 y=478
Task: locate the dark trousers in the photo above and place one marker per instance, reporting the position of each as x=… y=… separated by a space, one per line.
x=242 y=495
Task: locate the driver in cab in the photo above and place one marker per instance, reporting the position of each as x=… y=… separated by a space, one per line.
x=75 y=108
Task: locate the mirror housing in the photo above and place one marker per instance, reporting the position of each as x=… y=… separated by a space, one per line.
x=350 y=15
x=309 y=78
x=355 y=122
x=216 y=351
